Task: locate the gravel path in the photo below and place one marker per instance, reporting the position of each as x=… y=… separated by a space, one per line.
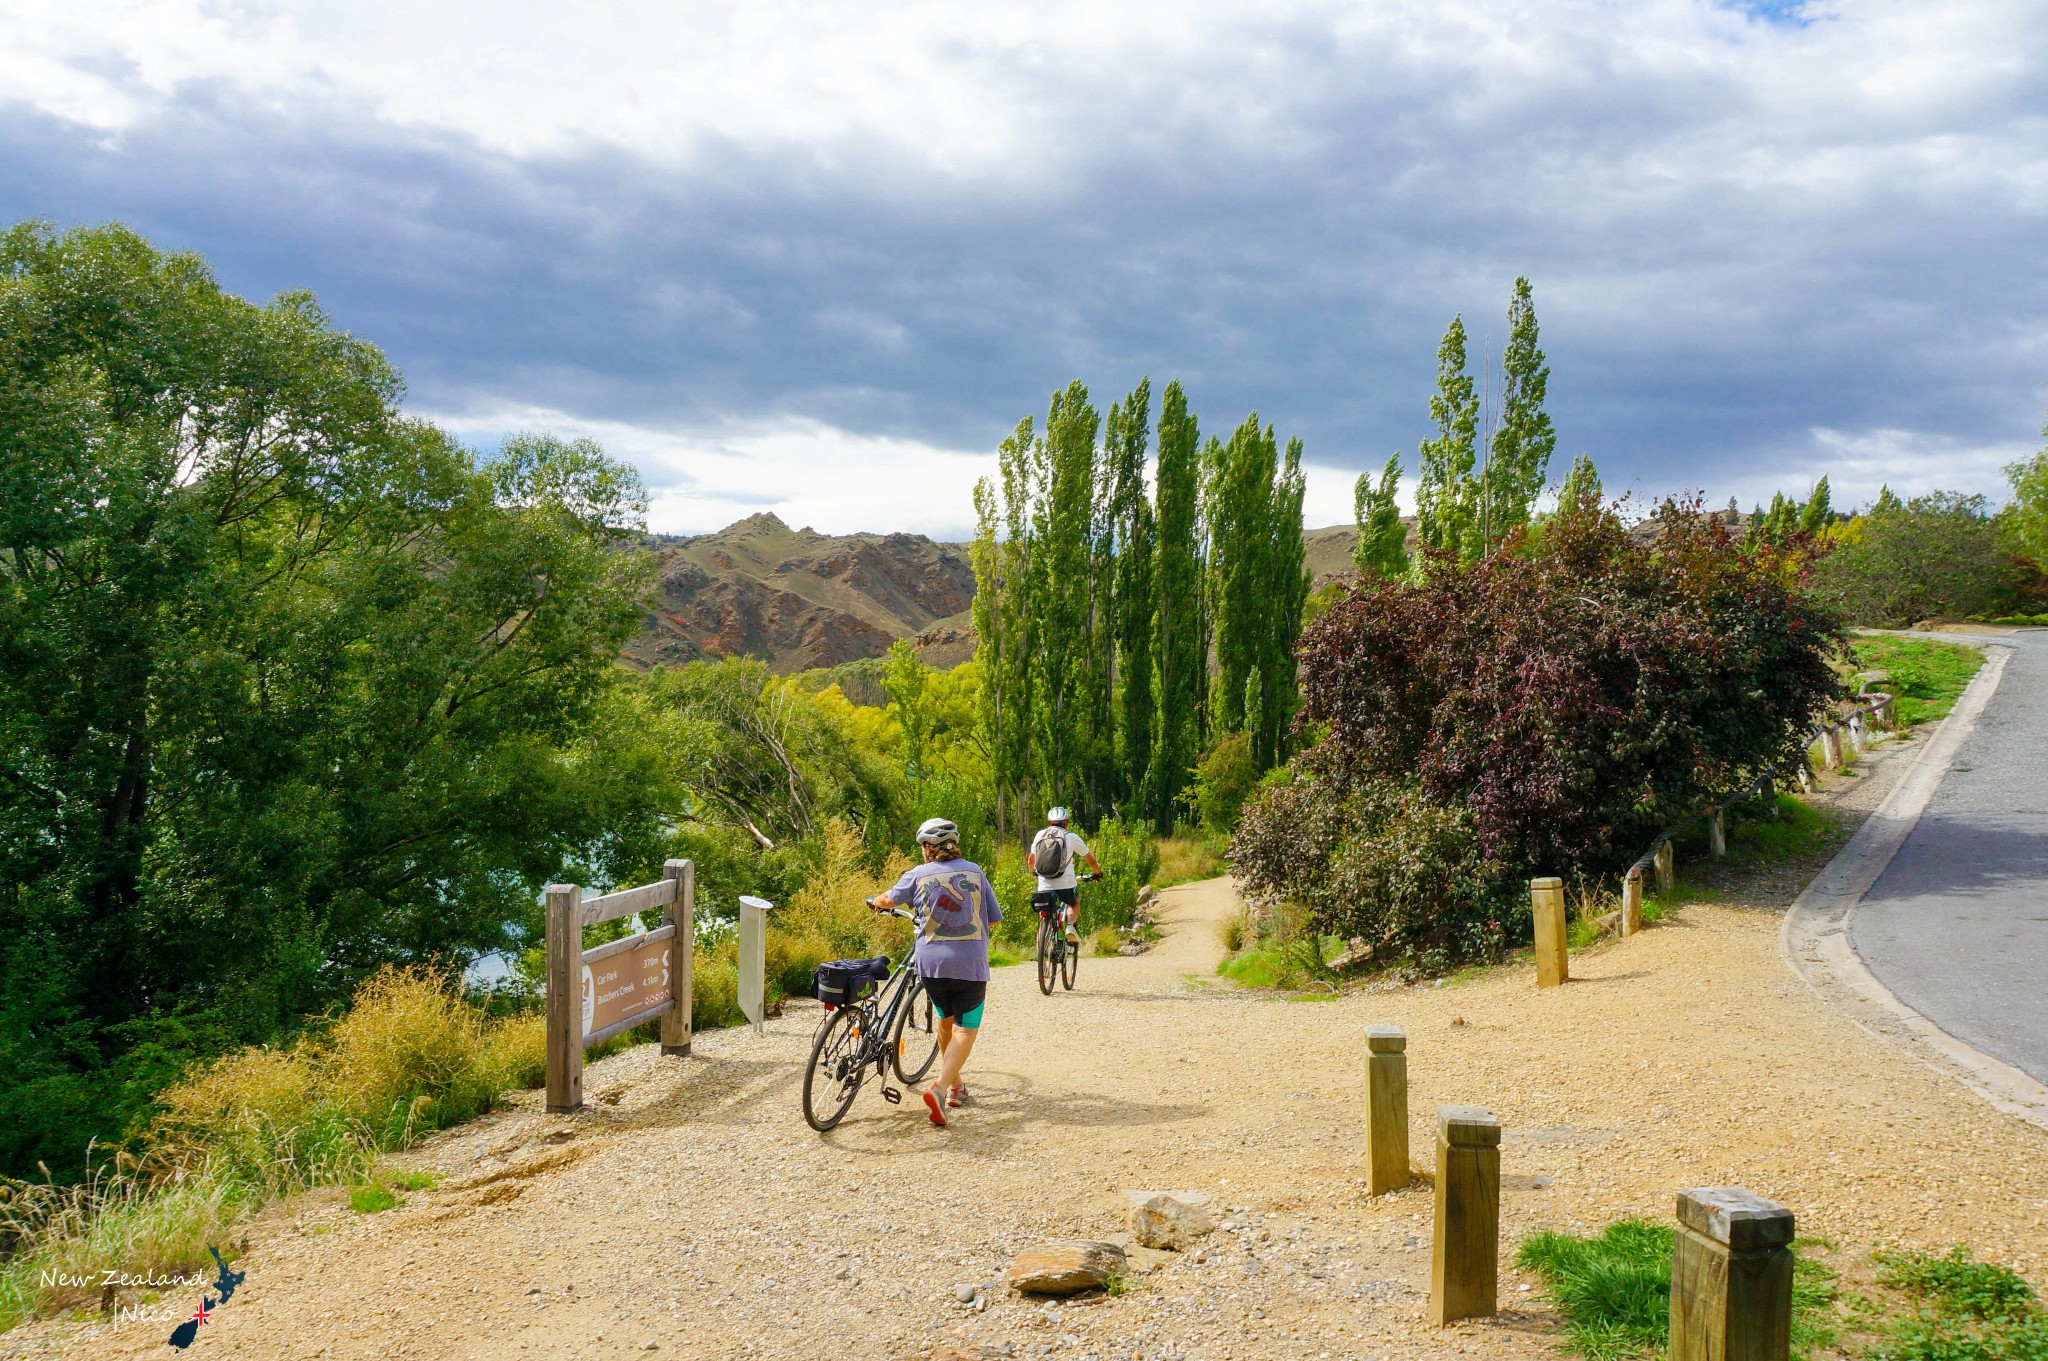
x=690 y=1212
x=1957 y=926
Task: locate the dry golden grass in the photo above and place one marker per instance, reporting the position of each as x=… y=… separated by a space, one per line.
x=1184 y=859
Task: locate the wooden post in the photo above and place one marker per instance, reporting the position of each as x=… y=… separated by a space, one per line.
x=682 y=914
x=1632 y=901
x=1806 y=780
x=1831 y=748
x=1464 y=1257
x=1717 y=833
x=1386 y=1109
x=1731 y=1277
x=1546 y=902
x=565 y=998
x=753 y=966
x=1667 y=875
x=1855 y=730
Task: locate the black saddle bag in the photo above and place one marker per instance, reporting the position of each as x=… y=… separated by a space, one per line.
x=847 y=980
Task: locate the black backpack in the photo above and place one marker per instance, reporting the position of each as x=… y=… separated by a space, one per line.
x=1049 y=853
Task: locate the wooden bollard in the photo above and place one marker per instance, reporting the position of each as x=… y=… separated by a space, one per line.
x=1386 y=1109
x=1831 y=748
x=1717 y=833
x=1464 y=1256
x=1632 y=901
x=682 y=914
x=1667 y=873
x=1546 y=902
x=1731 y=1277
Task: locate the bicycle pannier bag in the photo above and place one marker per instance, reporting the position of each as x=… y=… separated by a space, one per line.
x=1049 y=854
x=847 y=980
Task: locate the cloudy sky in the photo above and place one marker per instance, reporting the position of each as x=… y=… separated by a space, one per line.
x=818 y=258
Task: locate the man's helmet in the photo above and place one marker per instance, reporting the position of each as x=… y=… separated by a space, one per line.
x=937 y=832
x=1056 y=814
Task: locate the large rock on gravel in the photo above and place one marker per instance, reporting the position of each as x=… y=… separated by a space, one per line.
x=1065 y=1268
x=1171 y=1220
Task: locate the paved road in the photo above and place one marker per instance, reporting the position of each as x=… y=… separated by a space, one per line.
x=1957 y=925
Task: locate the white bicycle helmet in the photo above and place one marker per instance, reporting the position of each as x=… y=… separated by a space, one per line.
x=1057 y=813
x=937 y=832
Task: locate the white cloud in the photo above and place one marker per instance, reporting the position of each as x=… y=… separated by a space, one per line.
x=702 y=478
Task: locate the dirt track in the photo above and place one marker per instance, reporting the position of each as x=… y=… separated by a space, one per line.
x=690 y=1211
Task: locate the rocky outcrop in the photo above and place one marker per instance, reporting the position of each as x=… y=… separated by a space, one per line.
x=799 y=599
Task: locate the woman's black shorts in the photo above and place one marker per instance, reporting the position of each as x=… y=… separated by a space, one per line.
x=957 y=999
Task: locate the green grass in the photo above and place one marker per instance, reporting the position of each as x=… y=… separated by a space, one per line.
x=413 y=1181
x=2017 y=620
x=1960 y=1310
x=371 y=1199
x=1927 y=677
x=1261 y=966
x=1797 y=830
x=1614 y=1290
x=1000 y=957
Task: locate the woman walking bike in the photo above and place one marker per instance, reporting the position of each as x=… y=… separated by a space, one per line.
x=955 y=913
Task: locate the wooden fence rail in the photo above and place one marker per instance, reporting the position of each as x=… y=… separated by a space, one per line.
x=1658 y=859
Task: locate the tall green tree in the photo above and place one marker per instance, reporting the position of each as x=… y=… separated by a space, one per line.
x=1446 y=495
x=1136 y=533
x=1180 y=641
x=1818 y=512
x=2027 y=513
x=1238 y=504
x=294 y=686
x=1062 y=565
x=1286 y=592
x=1382 y=547
x=1004 y=615
x=1518 y=455
x=903 y=680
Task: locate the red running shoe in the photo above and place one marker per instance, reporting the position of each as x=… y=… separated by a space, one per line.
x=935 y=1105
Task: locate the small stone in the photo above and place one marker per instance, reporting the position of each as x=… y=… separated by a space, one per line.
x=1065 y=1268
x=1171 y=1220
x=964 y=1293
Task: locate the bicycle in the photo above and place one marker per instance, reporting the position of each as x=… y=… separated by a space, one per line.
x=882 y=1031
x=1056 y=957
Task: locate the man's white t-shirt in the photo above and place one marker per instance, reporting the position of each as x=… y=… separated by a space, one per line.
x=1076 y=848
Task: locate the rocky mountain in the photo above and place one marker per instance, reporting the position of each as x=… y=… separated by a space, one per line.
x=800 y=599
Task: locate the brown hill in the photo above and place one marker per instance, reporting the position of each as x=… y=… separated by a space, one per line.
x=800 y=599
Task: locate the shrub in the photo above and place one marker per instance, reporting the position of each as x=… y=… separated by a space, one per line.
x=1539 y=713
x=1935 y=556
x=1128 y=856
x=1106 y=940
x=1224 y=779
x=407 y=1059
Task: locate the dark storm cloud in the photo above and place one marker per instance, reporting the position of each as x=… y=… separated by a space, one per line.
x=1714 y=286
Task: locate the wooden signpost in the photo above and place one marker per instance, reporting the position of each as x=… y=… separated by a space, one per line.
x=598 y=993
x=1464 y=1255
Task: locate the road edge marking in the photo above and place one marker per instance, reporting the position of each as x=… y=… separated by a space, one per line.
x=1814 y=938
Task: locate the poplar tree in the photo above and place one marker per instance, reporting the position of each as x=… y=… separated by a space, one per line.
x=1286 y=595
x=993 y=697
x=1445 y=494
x=1238 y=504
x=1004 y=621
x=1582 y=483
x=1136 y=545
x=1817 y=513
x=1382 y=547
x=1061 y=570
x=1518 y=455
x=1180 y=645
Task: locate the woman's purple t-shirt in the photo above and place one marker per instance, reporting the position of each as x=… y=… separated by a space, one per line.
x=956 y=910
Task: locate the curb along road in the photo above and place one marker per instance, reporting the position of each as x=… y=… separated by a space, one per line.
x=1815 y=940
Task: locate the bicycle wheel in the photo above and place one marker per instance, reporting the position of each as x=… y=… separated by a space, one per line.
x=836 y=1070
x=915 y=1045
x=1070 y=961
x=1047 y=934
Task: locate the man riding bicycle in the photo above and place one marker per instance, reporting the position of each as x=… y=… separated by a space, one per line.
x=1053 y=854
x=955 y=912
